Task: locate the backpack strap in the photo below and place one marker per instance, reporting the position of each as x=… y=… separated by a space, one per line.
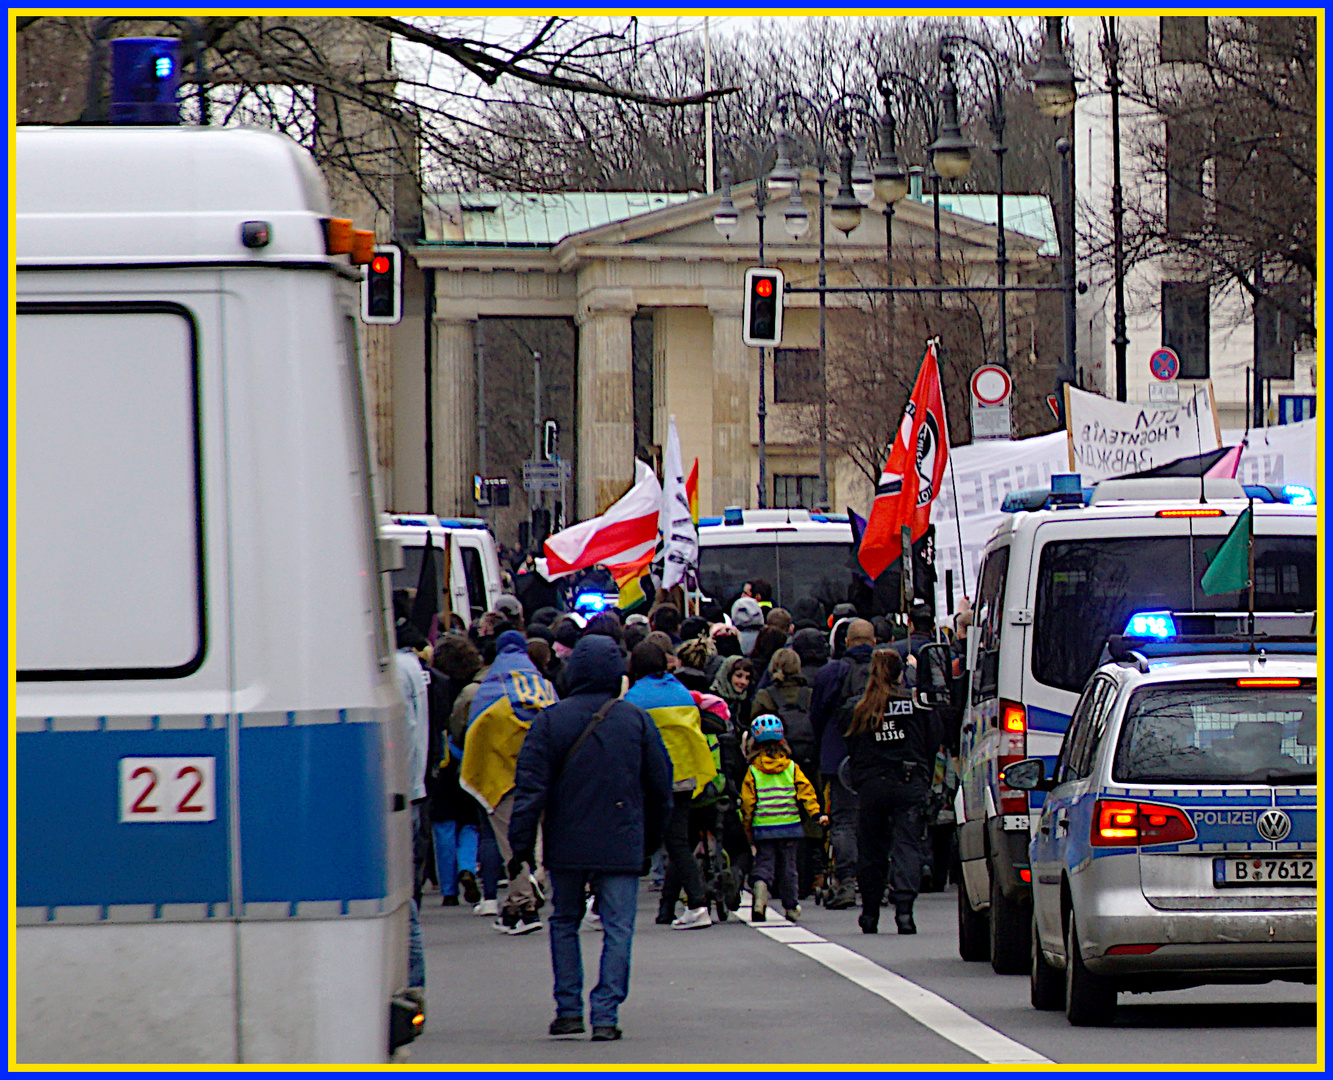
x=592 y=726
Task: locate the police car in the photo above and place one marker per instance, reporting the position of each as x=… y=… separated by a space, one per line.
x=1176 y=844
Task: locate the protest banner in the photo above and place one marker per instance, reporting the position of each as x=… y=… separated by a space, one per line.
x=1112 y=438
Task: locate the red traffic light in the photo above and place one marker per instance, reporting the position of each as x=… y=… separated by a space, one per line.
x=763 y=286
x=381 y=264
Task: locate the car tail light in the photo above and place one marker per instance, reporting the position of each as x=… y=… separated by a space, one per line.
x=1269 y=682
x=1131 y=950
x=1193 y=513
x=1117 y=823
x=1013 y=747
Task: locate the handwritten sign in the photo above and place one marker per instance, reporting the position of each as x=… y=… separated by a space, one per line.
x=1114 y=438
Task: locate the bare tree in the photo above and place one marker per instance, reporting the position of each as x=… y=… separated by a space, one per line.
x=1231 y=159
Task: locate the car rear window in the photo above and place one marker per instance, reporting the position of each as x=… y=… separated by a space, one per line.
x=1217 y=732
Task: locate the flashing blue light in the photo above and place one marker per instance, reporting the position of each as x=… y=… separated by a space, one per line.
x=162 y=67
x=590 y=603
x=1157 y=624
x=1298 y=495
x=733 y=515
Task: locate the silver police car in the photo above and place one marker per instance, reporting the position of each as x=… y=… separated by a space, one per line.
x=1176 y=845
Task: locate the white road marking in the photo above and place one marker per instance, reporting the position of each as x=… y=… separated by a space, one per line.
x=924 y=1006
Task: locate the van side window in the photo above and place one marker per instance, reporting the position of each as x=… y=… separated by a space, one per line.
x=989 y=622
x=475 y=578
x=109 y=458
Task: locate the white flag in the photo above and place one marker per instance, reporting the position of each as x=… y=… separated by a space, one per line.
x=680 y=541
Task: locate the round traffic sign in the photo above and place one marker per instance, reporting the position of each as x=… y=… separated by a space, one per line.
x=991 y=385
x=1164 y=364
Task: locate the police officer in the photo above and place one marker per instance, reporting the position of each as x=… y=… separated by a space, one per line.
x=891 y=749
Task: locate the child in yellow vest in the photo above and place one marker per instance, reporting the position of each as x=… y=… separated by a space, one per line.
x=771 y=796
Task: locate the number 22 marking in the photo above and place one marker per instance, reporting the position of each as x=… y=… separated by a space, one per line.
x=139 y=807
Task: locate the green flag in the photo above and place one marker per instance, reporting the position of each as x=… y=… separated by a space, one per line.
x=1229 y=570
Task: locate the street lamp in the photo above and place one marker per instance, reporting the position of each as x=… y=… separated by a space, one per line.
x=1054 y=93
x=995 y=120
x=928 y=106
x=845 y=214
x=725 y=220
x=950 y=153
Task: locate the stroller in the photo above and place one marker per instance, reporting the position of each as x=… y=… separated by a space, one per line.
x=723 y=850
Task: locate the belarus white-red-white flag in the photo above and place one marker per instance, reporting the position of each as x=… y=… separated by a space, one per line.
x=624 y=534
x=912 y=477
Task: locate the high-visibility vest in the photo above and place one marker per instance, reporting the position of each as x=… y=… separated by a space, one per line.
x=775 y=797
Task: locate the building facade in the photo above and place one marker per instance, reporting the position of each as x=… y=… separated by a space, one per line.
x=653 y=294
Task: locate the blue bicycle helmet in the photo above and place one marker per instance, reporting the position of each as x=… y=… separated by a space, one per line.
x=766 y=728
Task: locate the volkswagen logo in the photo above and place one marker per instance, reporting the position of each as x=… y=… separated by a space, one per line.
x=1274 y=825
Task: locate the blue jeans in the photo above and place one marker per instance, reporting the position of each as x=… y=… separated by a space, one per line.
x=416 y=953
x=617 y=903
x=455 y=851
x=488 y=854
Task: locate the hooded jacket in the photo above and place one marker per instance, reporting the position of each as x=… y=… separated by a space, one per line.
x=739 y=704
x=772 y=761
x=609 y=800
x=506 y=703
x=677 y=717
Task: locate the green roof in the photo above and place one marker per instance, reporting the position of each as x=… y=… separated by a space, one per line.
x=542 y=219
x=534 y=219
x=1027 y=214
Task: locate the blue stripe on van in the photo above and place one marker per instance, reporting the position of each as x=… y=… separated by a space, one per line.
x=72 y=849
x=1048 y=720
x=314 y=817
x=314 y=813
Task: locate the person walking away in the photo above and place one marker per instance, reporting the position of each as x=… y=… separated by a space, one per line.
x=748 y=619
x=594 y=770
x=413 y=686
x=692 y=769
x=453 y=813
x=788 y=697
x=774 y=789
x=506 y=703
x=892 y=746
x=837 y=688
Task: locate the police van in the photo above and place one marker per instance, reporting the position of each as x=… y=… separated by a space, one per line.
x=1177 y=842
x=1061 y=573
x=803 y=555
x=467 y=567
x=212 y=842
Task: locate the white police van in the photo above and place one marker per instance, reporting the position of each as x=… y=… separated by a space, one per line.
x=467 y=567
x=1177 y=841
x=803 y=555
x=212 y=842
x=1061 y=573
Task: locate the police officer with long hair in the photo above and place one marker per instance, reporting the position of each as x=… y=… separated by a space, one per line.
x=891 y=749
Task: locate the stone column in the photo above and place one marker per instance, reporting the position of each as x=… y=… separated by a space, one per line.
x=606 y=399
x=731 y=404
x=454 y=419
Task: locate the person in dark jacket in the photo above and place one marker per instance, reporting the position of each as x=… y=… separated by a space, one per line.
x=892 y=746
x=605 y=804
x=837 y=687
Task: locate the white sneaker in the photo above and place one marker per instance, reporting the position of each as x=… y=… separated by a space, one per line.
x=591 y=920
x=693 y=919
x=487 y=907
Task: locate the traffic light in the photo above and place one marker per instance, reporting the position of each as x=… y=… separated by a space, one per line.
x=145 y=75
x=382 y=289
x=762 y=322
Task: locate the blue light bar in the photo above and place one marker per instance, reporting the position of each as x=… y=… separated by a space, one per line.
x=590 y=601
x=1156 y=624
x=1298 y=495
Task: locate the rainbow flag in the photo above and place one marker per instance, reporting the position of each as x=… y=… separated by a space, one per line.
x=692 y=491
x=627 y=577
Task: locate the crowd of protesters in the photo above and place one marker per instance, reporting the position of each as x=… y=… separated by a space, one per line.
x=564 y=758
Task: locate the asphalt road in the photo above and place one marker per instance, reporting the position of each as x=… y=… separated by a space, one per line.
x=734 y=994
